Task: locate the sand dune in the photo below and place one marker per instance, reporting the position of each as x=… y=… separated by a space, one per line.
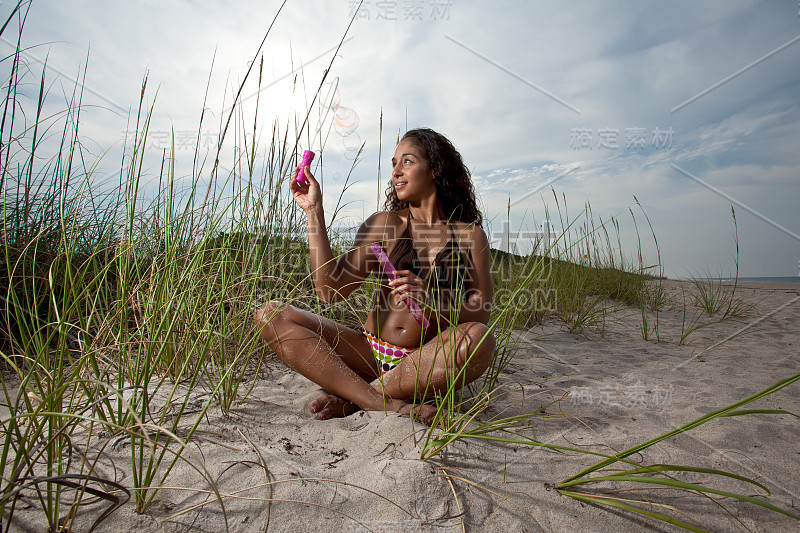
x=614 y=390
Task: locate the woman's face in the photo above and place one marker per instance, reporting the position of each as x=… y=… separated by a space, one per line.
x=412 y=177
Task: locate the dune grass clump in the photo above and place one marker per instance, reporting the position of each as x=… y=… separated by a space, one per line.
x=127 y=311
x=579 y=276
x=715 y=297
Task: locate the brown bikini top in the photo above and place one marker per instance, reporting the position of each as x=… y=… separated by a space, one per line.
x=449 y=266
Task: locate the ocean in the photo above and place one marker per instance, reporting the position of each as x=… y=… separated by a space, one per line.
x=766 y=279
x=784 y=279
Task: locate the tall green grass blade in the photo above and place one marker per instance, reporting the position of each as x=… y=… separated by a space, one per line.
x=686 y=427
x=621 y=505
x=666 y=482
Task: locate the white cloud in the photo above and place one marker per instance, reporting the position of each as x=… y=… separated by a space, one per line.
x=623 y=65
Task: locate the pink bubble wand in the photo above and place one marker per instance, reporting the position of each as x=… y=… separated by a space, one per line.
x=388 y=267
x=300 y=177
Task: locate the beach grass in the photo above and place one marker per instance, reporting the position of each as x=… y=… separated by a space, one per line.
x=127 y=312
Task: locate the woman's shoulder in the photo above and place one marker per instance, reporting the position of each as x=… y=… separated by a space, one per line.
x=468 y=230
x=387 y=218
x=385 y=225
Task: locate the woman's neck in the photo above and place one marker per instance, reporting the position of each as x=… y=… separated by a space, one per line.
x=427 y=212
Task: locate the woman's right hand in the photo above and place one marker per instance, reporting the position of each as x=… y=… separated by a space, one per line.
x=407 y=287
x=308 y=196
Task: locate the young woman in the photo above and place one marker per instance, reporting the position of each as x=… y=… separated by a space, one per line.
x=431 y=231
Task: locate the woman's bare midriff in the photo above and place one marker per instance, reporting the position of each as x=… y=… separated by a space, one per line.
x=397 y=326
x=390 y=319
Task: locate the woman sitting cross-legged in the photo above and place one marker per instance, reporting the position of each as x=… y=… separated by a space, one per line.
x=430 y=320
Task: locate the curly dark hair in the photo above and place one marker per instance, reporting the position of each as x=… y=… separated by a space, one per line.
x=453 y=182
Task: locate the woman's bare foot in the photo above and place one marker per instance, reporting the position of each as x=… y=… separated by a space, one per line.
x=421 y=412
x=331 y=406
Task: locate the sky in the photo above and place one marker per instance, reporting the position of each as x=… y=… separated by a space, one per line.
x=675 y=110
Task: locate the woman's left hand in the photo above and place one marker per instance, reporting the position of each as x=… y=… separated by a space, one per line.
x=408 y=287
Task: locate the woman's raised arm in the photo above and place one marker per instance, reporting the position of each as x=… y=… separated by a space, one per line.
x=334 y=279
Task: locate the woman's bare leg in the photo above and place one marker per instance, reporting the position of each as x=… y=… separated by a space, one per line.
x=430 y=369
x=333 y=356
x=340 y=360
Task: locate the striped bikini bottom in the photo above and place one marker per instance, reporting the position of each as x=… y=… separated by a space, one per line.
x=388 y=355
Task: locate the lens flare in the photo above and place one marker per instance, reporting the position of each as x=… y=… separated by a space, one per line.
x=345 y=121
x=352 y=144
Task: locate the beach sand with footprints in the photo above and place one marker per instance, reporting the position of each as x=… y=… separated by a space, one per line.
x=602 y=390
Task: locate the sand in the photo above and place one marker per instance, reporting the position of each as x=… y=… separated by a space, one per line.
x=611 y=389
